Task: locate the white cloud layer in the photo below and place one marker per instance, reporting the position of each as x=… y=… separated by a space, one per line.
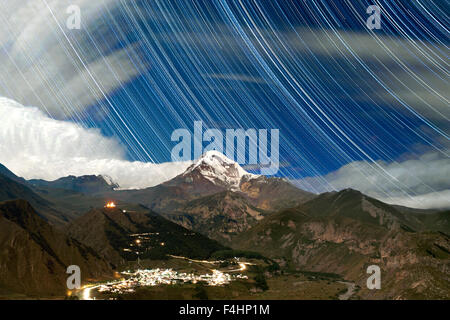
x=436 y=200
x=34 y=146
x=418 y=183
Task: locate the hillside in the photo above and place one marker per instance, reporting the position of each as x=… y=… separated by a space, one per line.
x=122 y=236
x=272 y=193
x=12 y=190
x=348 y=232
x=9 y=174
x=219 y=216
x=34 y=256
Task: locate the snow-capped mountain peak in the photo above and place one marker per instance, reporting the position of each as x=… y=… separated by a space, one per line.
x=217 y=168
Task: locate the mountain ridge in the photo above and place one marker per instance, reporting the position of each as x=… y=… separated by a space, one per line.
x=13 y=190
x=87 y=184
x=324 y=236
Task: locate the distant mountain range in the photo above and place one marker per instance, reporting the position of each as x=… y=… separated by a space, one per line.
x=337 y=232
x=84 y=184
x=13 y=189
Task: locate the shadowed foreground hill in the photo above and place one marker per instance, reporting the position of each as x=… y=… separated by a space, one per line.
x=34 y=256
x=122 y=236
x=345 y=232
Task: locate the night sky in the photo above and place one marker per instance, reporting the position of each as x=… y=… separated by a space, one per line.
x=355 y=107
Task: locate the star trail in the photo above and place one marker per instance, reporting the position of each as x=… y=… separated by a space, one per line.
x=355 y=107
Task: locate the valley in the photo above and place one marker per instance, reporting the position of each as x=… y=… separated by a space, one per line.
x=237 y=278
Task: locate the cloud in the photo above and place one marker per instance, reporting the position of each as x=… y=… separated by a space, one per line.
x=437 y=200
x=62 y=71
x=419 y=183
x=36 y=146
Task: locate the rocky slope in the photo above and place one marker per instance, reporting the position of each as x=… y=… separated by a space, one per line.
x=12 y=190
x=34 y=256
x=272 y=193
x=344 y=233
x=219 y=216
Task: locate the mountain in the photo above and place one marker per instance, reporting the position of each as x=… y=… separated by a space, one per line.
x=438 y=221
x=353 y=204
x=34 y=256
x=70 y=204
x=121 y=235
x=273 y=193
x=219 y=216
x=88 y=184
x=216 y=197
x=345 y=232
x=213 y=172
x=9 y=174
x=12 y=190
